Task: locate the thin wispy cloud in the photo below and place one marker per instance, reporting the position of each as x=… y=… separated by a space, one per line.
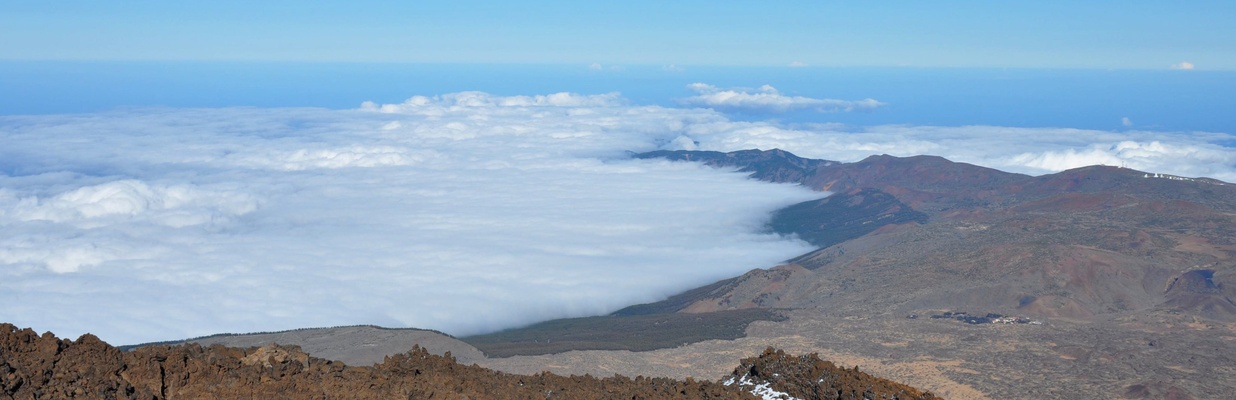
x=768 y=99
x=443 y=104
x=611 y=68
x=1183 y=65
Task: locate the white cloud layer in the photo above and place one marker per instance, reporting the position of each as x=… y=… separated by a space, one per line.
x=769 y=99
x=462 y=212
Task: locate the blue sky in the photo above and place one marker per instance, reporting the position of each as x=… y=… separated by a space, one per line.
x=1042 y=34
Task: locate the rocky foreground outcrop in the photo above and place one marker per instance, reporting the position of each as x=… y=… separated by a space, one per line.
x=775 y=374
x=36 y=366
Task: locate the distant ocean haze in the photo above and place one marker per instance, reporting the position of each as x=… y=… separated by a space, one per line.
x=1166 y=100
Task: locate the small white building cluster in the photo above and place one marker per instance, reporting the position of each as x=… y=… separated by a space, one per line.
x=990 y=318
x=1166 y=176
x=1015 y=320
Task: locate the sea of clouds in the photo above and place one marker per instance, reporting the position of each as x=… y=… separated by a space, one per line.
x=463 y=212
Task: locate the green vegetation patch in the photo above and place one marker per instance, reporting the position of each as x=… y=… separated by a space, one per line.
x=842 y=216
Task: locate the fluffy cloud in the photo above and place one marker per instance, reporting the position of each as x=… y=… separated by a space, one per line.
x=355 y=156
x=438 y=104
x=94 y=205
x=1183 y=65
x=768 y=99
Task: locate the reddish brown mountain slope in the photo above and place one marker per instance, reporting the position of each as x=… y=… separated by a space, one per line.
x=927 y=183
x=1076 y=244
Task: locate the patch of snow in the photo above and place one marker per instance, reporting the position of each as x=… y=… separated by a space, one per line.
x=766 y=392
x=763 y=390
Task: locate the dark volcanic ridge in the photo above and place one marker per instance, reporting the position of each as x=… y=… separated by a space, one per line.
x=43 y=366
x=629 y=332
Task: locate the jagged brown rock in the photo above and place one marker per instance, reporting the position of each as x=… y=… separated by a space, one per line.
x=46 y=367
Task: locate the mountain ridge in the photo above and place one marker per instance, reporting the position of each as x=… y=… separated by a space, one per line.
x=1056 y=216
